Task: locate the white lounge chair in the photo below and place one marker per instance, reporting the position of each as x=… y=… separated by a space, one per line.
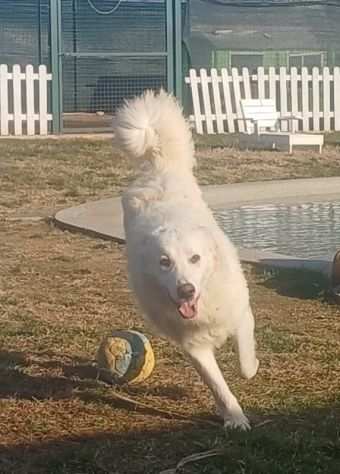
x=263 y=128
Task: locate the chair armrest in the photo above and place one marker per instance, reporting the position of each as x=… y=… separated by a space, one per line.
x=243 y=119
x=251 y=120
x=291 y=117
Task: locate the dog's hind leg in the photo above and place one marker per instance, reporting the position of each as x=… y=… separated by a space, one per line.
x=246 y=345
x=228 y=407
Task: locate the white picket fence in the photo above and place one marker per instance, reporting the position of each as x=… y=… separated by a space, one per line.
x=313 y=95
x=24 y=100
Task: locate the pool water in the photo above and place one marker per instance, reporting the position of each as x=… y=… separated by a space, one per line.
x=304 y=230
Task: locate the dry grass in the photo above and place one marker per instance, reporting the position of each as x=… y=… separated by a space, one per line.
x=60 y=293
x=51 y=174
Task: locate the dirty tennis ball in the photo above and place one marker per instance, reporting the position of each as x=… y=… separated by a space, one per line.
x=125 y=357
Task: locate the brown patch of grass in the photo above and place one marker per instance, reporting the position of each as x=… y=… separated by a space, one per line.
x=221 y=165
x=60 y=293
x=52 y=174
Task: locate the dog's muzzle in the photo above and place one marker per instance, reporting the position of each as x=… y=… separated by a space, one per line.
x=187 y=304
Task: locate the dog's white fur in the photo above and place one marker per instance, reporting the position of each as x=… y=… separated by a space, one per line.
x=165 y=215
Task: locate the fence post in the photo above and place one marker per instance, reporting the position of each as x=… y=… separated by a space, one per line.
x=305 y=98
x=326 y=100
x=196 y=101
x=336 y=77
x=237 y=97
x=315 y=98
x=56 y=65
x=30 y=100
x=227 y=100
x=206 y=100
x=178 y=48
x=261 y=83
x=170 y=45
x=246 y=83
x=294 y=94
x=217 y=100
x=3 y=99
x=272 y=84
x=283 y=93
x=17 y=90
x=42 y=99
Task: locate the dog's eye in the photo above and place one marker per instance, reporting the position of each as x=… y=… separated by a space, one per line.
x=165 y=262
x=195 y=258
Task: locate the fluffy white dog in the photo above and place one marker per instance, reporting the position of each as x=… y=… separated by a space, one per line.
x=183 y=269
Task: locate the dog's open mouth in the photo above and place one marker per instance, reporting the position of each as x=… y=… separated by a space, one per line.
x=188 y=309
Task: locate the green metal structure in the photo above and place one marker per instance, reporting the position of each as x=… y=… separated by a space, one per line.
x=103 y=51
x=56 y=65
x=99 y=52
x=101 y=56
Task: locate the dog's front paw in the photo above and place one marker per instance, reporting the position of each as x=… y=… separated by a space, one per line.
x=237 y=422
x=250 y=370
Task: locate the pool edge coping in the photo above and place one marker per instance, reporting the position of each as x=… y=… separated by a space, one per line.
x=103 y=218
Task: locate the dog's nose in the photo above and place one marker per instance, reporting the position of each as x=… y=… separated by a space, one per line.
x=186 y=291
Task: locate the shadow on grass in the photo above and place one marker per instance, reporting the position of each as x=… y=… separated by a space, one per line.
x=300 y=284
x=80 y=376
x=216 y=141
x=12 y=359
x=305 y=442
x=232 y=140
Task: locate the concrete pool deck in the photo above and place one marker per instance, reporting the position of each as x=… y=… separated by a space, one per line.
x=104 y=218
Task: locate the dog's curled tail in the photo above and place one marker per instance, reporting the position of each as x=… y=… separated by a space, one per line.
x=152 y=127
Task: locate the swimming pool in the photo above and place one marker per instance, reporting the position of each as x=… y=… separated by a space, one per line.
x=310 y=229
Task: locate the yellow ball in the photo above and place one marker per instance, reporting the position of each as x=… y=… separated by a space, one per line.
x=125 y=357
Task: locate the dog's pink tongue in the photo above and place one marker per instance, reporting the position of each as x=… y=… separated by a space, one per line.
x=188 y=309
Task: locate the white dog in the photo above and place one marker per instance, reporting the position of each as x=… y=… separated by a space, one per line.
x=184 y=271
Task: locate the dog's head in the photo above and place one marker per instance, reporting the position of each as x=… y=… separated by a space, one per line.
x=182 y=263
